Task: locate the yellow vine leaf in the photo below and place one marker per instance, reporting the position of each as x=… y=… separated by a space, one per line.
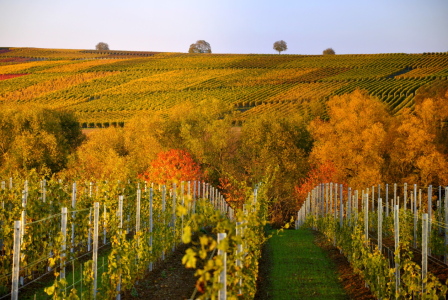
x=189 y=259
x=49 y=290
x=186 y=237
x=181 y=210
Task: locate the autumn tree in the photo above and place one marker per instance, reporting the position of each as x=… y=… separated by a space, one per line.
x=274 y=150
x=200 y=46
x=101 y=46
x=354 y=139
x=174 y=165
x=103 y=156
x=34 y=137
x=329 y=51
x=415 y=153
x=141 y=139
x=438 y=92
x=319 y=173
x=280 y=46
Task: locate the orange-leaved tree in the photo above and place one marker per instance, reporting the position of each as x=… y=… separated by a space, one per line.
x=173 y=165
x=233 y=190
x=321 y=173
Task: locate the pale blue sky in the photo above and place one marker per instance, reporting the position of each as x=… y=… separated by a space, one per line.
x=230 y=26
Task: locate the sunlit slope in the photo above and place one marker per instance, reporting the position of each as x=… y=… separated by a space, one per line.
x=111 y=86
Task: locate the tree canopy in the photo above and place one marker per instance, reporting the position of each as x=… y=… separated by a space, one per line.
x=280 y=46
x=200 y=46
x=33 y=137
x=328 y=51
x=102 y=46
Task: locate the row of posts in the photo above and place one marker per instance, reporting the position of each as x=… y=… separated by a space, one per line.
x=240 y=228
x=325 y=200
x=208 y=191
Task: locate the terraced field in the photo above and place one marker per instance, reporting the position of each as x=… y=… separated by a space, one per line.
x=109 y=87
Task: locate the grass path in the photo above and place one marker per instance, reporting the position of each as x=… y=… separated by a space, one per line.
x=299 y=269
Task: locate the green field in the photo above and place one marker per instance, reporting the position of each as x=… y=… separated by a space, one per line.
x=108 y=87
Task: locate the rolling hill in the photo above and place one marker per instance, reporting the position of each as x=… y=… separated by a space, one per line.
x=106 y=88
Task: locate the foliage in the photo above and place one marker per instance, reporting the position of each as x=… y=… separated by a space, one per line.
x=200 y=46
x=33 y=137
x=105 y=92
x=328 y=51
x=415 y=154
x=371 y=264
x=174 y=165
x=280 y=46
x=248 y=232
x=101 y=46
x=131 y=251
x=354 y=139
x=102 y=156
x=278 y=151
x=324 y=172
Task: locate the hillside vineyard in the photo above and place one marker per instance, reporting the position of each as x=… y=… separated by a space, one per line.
x=106 y=88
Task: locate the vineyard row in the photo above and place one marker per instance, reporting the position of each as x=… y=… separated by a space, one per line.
x=369 y=227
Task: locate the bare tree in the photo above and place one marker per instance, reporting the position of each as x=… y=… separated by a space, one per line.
x=200 y=46
x=102 y=46
x=280 y=46
x=329 y=51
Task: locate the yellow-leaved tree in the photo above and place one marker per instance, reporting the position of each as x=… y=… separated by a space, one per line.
x=35 y=137
x=415 y=154
x=274 y=152
x=102 y=157
x=354 y=139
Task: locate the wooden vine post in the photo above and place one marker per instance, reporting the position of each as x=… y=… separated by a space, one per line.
x=151 y=195
x=395 y=197
x=405 y=196
x=96 y=214
x=137 y=210
x=222 y=294
x=341 y=208
x=380 y=224
x=89 y=235
x=239 y=252
x=397 y=245
x=120 y=229
x=424 y=252
x=349 y=204
x=104 y=224
x=415 y=216
x=16 y=261
x=331 y=199
x=387 y=200
x=64 y=240
x=173 y=216
x=72 y=249
x=366 y=217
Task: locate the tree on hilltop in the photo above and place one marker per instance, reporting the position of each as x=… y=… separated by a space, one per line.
x=102 y=46
x=200 y=46
x=280 y=46
x=329 y=51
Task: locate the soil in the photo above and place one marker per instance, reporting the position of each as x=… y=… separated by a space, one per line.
x=168 y=280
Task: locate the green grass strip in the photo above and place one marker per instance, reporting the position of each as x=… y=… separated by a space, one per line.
x=299 y=269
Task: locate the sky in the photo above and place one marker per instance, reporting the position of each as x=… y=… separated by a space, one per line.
x=230 y=26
